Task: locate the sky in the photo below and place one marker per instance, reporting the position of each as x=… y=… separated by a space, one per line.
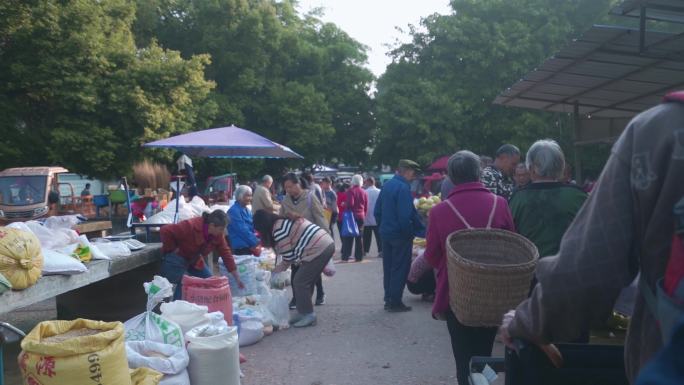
x=373 y=22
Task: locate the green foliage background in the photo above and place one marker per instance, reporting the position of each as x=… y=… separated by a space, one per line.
x=84 y=83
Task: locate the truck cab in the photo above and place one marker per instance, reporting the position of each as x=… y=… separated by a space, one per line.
x=27 y=192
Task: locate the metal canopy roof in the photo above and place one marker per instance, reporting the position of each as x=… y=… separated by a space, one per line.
x=604 y=73
x=659 y=10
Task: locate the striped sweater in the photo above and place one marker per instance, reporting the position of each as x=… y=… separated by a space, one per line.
x=299 y=240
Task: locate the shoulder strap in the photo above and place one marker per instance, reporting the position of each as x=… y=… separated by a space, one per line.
x=491 y=215
x=458 y=214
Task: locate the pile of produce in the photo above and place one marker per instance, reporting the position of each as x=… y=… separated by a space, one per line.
x=424 y=205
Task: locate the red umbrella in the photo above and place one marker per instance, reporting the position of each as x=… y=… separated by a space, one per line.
x=440 y=164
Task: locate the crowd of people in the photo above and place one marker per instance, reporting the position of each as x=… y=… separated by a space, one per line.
x=590 y=245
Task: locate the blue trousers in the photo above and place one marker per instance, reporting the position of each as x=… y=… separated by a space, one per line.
x=396 y=263
x=174 y=267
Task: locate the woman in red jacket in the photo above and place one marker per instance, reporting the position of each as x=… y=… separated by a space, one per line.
x=187 y=243
x=356 y=201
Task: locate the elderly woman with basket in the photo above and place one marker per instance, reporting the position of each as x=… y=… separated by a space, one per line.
x=469 y=205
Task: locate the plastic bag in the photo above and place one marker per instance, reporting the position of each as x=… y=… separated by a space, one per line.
x=52 y=239
x=78 y=250
x=98 y=358
x=62 y=222
x=113 y=249
x=214 y=358
x=150 y=326
x=329 y=270
x=57 y=263
x=279 y=308
x=96 y=253
x=186 y=314
x=21 y=259
x=172 y=361
x=280 y=280
x=246 y=267
x=251 y=332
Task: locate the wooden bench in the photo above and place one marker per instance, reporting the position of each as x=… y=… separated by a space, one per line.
x=98 y=270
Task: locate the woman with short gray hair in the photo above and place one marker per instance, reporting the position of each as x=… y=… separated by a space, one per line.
x=469 y=205
x=241 y=227
x=545 y=160
x=544 y=209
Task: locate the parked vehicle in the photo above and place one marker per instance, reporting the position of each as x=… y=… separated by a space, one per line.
x=28 y=192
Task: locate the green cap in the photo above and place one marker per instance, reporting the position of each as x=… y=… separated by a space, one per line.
x=407 y=163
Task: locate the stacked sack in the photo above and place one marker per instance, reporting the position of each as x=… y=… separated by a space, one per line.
x=79 y=352
x=155 y=342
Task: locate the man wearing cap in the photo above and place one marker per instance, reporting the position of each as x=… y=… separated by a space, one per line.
x=399 y=223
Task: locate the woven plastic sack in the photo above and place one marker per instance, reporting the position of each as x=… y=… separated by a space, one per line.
x=187 y=315
x=98 y=358
x=213 y=292
x=145 y=376
x=21 y=259
x=149 y=326
x=171 y=361
x=246 y=267
x=214 y=356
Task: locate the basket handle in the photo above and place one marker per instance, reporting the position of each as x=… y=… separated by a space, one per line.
x=491 y=215
x=458 y=214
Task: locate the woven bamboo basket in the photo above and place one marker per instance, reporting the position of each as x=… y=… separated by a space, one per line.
x=489 y=274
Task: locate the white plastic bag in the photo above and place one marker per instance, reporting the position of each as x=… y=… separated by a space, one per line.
x=280 y=280
x=186 y=314
x=279 y=308
x=150 y=326
x=62 y=222
x=214 y=358
x=329 y=270
x=251 y=332
x=170 y=360
x=57 y=263
x=113 y=249
x=246 y=267
x=52 y=238
x=94 y=250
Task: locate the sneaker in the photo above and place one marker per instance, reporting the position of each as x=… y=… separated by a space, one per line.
x=293 y=304
x=320 y=300
x=387 y=306
x=306 y=320
x=295 y=318
x=398 y=308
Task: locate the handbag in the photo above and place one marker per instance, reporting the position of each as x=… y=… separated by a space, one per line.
x=349 y=226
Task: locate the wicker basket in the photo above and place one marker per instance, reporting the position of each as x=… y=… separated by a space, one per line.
x=489 y=274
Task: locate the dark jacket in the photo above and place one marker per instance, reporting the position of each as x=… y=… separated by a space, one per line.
x=395 y=213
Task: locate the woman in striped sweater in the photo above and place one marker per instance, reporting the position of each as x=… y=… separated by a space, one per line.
x=299 y=242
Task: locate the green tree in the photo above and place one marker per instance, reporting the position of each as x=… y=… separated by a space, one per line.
x=76 y=91
x=436 y=96
x=289 y=77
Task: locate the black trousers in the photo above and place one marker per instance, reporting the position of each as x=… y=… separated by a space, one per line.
x=356 y=241
x=467 y=342
x=333 y=222
x=368 y=232
x=319 y=283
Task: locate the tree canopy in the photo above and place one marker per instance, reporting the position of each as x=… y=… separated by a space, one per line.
x=436 y=97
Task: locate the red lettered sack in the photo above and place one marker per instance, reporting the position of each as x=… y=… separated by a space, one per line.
x=213 y=293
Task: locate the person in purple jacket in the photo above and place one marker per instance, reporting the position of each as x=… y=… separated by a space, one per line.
x=469 y=205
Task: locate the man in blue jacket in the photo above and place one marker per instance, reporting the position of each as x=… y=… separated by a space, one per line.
x=399 y=223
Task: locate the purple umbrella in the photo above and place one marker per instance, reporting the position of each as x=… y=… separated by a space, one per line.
x=225 y=142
